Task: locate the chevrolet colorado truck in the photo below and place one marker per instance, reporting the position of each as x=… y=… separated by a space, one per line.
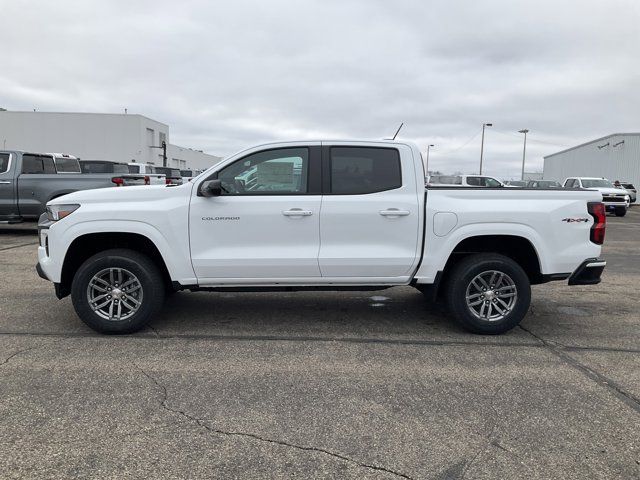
x=29 y=180
x=325 y=215
x=614 y=199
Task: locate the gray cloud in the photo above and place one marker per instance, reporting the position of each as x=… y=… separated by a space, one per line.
x=225 y=76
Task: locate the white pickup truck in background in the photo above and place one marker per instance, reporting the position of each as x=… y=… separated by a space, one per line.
x=318 y=215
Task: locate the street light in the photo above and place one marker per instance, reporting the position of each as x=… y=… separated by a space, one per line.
x=524 y=149
x=482 y=143
x=426 y=167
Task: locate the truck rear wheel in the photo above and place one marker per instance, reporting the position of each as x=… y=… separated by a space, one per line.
x=488 y=293
x=117 y=291
x=621 y=211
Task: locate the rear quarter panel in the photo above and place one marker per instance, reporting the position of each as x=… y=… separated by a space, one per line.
x=537 y=215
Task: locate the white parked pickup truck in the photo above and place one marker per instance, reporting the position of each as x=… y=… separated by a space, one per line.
x=318 y=215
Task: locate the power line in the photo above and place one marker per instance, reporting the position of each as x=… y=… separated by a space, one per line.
x=461 y=146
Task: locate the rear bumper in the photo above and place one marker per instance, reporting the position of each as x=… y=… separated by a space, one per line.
x=588 y=273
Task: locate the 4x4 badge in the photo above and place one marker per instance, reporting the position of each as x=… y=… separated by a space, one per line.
x=575 y=220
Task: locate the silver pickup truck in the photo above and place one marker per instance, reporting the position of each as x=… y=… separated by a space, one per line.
x=29 y=180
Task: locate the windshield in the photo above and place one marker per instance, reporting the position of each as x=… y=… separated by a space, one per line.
x=67 y=165
x=597 y=183
x=625 y=185
x=492 y=182
x=548 y=184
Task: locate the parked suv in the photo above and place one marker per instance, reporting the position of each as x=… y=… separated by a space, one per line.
x=614 y=200
x=631 y=190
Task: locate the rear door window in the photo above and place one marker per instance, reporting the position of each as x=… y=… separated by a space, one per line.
x=36 y=164
x=4 y=162
x=475 y=181
x=361 y=170
x=134 y=168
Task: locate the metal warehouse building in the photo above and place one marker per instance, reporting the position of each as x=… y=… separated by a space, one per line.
x=97 y=136
x=615 y=157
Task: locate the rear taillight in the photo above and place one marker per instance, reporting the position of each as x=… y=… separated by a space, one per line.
x=597 y=211
x=167 y=181
x=119 y=181
x=147 y=180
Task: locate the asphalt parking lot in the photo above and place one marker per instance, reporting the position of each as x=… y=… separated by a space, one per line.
x=323 y=385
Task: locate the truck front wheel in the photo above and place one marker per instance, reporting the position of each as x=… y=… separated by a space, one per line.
x=117 y=291
x=621 y=211
x=488 y=293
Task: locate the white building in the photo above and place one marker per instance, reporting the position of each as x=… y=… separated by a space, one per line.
x=615 y=157
x=97 y=136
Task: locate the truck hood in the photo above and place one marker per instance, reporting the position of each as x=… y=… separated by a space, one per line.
x=123 y=194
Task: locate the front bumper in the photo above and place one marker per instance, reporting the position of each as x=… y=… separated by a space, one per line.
x=611 y=206
x=588 y=273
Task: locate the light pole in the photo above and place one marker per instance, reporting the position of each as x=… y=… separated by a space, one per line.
x=524 y=149
x=163 y=146
x=482 y=143
x=426 y=167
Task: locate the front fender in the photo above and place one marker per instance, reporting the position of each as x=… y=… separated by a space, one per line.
x=173 y=245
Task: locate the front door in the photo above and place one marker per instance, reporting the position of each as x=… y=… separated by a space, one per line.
x=265 y=224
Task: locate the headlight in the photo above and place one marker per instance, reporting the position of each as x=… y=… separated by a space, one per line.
x=58 y=212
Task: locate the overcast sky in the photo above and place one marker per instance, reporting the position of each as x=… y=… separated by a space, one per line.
x=225 y=75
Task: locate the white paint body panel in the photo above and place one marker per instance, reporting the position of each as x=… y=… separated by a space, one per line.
x=344 y=242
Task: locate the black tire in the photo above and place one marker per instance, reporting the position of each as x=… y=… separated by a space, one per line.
x=621 y=211
x=459 y=280
x=150 y=280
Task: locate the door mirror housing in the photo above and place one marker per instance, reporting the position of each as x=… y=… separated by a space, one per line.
x=210 y=188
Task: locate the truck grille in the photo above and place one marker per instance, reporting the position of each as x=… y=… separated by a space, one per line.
x=612 y=198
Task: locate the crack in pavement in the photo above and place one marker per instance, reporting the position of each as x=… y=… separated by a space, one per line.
x=202 y=424
x=602 y=380
x=489 y=437
x=15 y=354
x=18 y=246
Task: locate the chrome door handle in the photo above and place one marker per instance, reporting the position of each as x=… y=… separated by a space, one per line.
x=5 y=182
x=297 y=212
x=394 y=212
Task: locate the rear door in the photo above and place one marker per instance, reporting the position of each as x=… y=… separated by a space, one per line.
x=370 y=216
x=34 y=183
x=8 y=199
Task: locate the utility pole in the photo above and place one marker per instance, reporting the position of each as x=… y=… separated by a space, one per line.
x=426 y=167
x=482 y=143
x=164 y=152
x=524 y=149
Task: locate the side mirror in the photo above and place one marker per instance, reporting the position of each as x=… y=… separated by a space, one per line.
x=210 y=188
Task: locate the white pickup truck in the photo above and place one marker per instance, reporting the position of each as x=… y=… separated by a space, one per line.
x=318 y=215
